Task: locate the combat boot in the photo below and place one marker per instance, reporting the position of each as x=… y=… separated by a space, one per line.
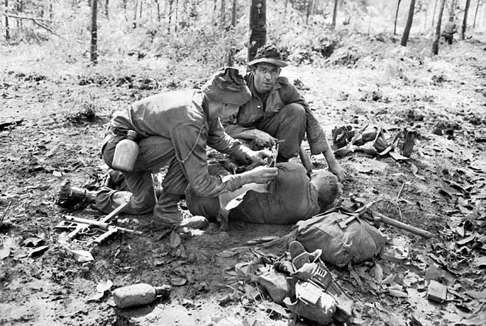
x=74 y=198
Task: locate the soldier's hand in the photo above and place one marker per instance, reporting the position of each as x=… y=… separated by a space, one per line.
x=259 y=157
x=337 y=170
x=260 y=174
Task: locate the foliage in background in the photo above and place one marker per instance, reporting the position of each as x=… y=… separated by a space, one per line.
x=190 y=32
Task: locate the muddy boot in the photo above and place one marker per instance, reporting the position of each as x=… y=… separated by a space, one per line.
x=166 y=211
x=74 y=198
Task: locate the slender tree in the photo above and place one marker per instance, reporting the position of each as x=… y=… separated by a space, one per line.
x=334 y=14
x=135 y=10
x=233 y=25
x=94 y=32
x=435 y=44
x=285 y=7
x=171 y=9
x=464 y=20
x=107 y=5
x=7 y=28
x=309 y=11
x=406 y=31
x=476 y=12
x=157 y=4
x=433 y=14
x=233 y=14
x=396 y=18
x=258 y=29
x=222 y=13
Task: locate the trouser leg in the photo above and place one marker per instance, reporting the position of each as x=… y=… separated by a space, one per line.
x=288 y=126
x=204 y=206
x=154 y=154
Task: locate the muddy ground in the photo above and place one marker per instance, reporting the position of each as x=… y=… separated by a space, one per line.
x=61 y=109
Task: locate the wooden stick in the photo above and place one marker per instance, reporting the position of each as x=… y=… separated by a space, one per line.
x=415 y=230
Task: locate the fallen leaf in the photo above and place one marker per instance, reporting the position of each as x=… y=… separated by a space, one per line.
x=38 y=251
x=478 y=295
x=104 y=286
x=397 y=293
x=4 y=253
x=178 y=281
x=32 y=242
x=466 y=240
x=378 y=273
x=96 y=297
x=480 y=261
x=82 y=256
x=174 y=240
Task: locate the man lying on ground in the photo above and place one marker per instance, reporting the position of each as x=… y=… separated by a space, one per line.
x=277 y=108
x=290 y=197
x=173 y=130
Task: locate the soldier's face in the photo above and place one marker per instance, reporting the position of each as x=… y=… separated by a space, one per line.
x=265 y=77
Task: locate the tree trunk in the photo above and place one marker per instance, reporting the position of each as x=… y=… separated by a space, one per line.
x=140 y=12
x=19 y=8
x=435 y=44
x=433 y=15
x=258 y=29
x=452 y=9
x=215 y=11
x=171 y=2
x=221 y=13
x=233 y=14
x=94 y=32
x=334 y=14
x=464 y=20
x=7 y=28
x=476 y=13
x=135 y=9
x=157 y=3
x=396 y=18
x=107 y=4
x=406 y=32
x=285 y=7
x=309 y=10
x=176 y=18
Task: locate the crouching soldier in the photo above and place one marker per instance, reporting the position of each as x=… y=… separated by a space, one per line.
x=173 y=130
x=290 y=197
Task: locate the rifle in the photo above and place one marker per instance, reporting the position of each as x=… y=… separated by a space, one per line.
x=83 y=224
x=378 y=217
x=111 y=229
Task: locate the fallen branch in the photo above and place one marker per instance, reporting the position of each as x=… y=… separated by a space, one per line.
x=25 y=17
x=35 y=20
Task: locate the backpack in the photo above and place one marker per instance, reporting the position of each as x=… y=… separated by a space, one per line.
x=342 y=238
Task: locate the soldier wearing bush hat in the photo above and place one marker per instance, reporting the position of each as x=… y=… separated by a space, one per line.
x=173 y=130
x=278 y=110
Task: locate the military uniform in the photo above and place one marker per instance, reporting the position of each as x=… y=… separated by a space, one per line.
x=291 y=197
x=284 y=114
x=174 y=129
x=449 y=30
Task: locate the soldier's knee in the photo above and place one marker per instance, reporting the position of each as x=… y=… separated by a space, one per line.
x=205 y=206
x=294 y=111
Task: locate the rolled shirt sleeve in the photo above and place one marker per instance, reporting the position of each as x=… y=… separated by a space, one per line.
x=189 y=141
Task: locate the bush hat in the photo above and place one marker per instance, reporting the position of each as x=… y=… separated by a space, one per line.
x=268 y=54
x=227 y=86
